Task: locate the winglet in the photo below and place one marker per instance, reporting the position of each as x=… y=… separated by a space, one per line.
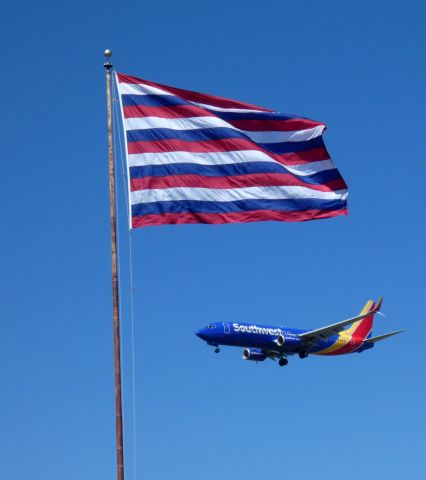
x=378 y=304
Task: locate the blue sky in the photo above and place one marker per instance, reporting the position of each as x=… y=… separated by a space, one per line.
x=357 y=66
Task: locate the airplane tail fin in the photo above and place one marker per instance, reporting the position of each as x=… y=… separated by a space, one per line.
x=363 y=328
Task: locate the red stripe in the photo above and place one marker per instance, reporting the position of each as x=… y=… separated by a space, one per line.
x=236 y=181
x=226 y=145
x=274 y=125
x=299 y=158
x=349 y=347
x=177 y=111
x=236 y=217
x=192 y=96
x=364 y=328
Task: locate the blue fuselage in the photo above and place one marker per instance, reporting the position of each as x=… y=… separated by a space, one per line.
x=264 y=337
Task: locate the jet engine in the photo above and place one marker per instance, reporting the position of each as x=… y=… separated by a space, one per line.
x=290 y=340
x=255 y=354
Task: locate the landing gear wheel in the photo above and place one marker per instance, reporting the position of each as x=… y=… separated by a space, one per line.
x=282 y=362
x=303 y=355
x=217 y=350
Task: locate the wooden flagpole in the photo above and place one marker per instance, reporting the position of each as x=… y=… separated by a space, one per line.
x=115 y=300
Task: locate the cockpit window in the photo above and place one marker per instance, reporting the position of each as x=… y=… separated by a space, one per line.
x=210 y=326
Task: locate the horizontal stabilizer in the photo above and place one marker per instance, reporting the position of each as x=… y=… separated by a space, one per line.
x=381 y=337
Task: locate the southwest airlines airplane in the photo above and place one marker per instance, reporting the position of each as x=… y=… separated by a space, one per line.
x=261 y=342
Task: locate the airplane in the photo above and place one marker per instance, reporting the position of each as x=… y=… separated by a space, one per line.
x=261 y=342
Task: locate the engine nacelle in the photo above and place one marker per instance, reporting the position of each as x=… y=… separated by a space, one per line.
x=255 y=354
x=290 y=340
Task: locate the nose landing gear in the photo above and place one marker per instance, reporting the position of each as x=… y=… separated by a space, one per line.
x=217 y=350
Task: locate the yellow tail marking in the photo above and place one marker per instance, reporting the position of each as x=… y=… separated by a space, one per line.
x=345 y=337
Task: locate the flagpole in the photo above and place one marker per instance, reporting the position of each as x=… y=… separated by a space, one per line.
x=115 y=300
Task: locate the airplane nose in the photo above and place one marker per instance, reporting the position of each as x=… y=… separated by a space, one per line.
x=201 y=334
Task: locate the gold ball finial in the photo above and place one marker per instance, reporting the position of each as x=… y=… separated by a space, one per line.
x=108 y=53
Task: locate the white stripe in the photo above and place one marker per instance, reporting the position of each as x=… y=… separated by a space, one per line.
x=196 y=123
x=205 y=158
x=232 y=195
x=278 y=136
x=311 y=168
x=189 y=123
x=220 y=109
x=140 y=89
x=223 y=158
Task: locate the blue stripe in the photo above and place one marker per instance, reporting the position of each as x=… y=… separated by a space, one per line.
x=156 y=208
x=229 y=170
x=152 y=100
x=197 y=135
x=256 y=116
x=293 y=147
x=217 y=133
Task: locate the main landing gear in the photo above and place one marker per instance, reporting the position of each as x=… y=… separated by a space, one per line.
x=303 y=354
x=282 y=362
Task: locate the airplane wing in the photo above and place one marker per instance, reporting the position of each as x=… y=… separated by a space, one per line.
x=325 y=332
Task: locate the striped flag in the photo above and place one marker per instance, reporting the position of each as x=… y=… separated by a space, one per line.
x=197 y=158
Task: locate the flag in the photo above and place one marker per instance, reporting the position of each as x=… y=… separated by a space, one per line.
x=197 y=158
